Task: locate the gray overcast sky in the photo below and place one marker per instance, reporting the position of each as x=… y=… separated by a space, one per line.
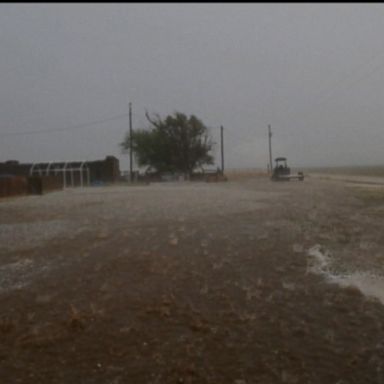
x=315 y=72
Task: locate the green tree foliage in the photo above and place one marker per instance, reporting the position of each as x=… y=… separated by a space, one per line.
x=175 y=144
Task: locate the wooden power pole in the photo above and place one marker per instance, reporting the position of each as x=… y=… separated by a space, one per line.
x=222 y=149
x=270 y=148
x=130 y=143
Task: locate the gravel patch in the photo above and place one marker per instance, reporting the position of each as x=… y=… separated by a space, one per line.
x=19 y=274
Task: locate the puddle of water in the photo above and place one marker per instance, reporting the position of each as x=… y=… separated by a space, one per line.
x=320 y=260
x=369 y=284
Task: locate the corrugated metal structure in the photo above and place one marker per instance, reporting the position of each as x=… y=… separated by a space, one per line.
x=73 y=173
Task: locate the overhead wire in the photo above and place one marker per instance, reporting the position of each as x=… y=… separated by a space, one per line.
x=344 y=83
x=70 y=128
x=321 y=97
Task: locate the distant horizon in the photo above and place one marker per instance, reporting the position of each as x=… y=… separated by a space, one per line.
x=258 y=168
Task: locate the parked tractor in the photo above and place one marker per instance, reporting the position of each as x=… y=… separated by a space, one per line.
x=281 y=171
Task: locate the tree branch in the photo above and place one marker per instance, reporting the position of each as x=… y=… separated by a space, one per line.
x=153 y=122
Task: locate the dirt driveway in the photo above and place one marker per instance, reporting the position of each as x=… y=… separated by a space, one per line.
x=239 y=282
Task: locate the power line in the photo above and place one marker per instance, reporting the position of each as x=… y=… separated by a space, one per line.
x=342 y=84
x=236 y=136
x=357 y=80
x=73 y=127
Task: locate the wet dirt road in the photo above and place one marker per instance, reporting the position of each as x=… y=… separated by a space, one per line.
x=191 y=283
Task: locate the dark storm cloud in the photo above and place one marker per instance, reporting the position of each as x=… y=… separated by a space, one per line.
x=312 y=71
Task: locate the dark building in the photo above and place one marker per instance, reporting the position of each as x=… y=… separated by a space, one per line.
x=14 y=168
x=106 y=171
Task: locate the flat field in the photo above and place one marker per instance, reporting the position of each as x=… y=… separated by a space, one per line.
x=245 y=281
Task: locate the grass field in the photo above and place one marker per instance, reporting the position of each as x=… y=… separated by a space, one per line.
x=245 y=173
x=377 y=170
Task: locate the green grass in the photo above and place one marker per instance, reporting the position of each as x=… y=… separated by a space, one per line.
x=373 y=170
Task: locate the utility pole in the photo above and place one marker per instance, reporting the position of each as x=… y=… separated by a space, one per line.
x=130 y=143
x=270 y=148
x=222 y=149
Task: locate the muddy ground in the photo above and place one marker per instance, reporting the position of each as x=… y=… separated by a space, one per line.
x=192 y=283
